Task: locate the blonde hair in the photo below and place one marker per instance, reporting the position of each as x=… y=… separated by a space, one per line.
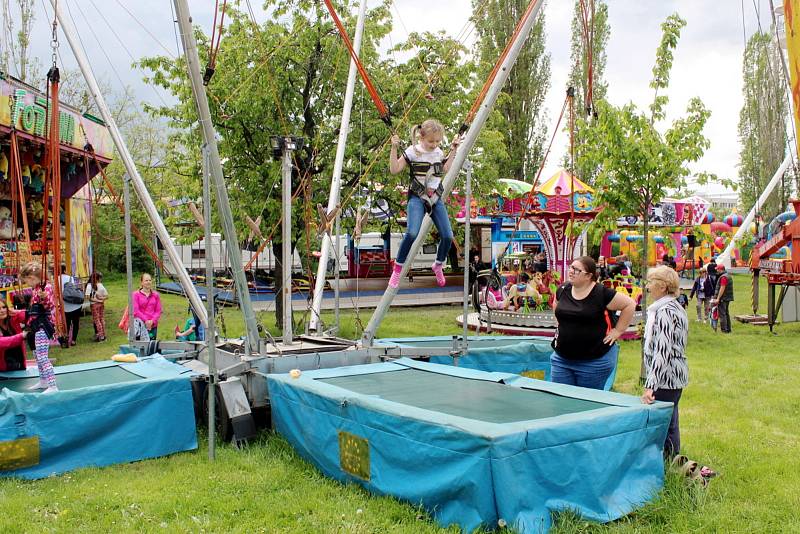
x=427 y=128
x=32 y=268
x=666 y=276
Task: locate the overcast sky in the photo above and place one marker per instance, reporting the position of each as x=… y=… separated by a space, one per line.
x=708 y=60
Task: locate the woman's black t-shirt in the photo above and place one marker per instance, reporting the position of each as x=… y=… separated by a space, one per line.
x=582 y=324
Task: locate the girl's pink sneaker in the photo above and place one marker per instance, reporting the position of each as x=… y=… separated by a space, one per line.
x=394 y=280
x=438 y=270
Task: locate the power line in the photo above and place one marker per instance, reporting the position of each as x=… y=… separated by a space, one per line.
x=122 y=44
x=169 y=53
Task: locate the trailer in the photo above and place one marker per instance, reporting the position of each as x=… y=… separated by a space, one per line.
x=193 y=257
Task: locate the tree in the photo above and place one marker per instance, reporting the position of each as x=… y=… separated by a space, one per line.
x=596 y=11
x=17 y=48
x=287 y=76
x=600 y=31
x=522 y=109
x=762 y=126
x=147 y=143
x=638 y=164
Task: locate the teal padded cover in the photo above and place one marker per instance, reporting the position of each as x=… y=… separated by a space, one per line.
x=145 y=410
x=602 y=462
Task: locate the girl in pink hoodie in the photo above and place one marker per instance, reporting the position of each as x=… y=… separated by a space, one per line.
x=147 y=305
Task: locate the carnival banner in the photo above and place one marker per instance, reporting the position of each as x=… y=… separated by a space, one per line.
x=80 y=236
x=25 y=109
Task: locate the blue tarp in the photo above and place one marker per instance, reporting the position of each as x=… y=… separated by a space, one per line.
x=522 y=355
x=601 y=463
x=146 y=411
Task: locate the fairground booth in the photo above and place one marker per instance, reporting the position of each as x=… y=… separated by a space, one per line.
x=26 y=211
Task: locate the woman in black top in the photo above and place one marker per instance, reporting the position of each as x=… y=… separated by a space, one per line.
x=585 y=350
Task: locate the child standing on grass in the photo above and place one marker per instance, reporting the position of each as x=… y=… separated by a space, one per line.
x=189 y=332
x=427 y=165
x=40 y=321
x=703 y=289
x=97 y=295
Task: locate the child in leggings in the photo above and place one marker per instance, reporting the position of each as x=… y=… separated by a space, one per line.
x=41 y=322
x=97 y=294
x=427 y=164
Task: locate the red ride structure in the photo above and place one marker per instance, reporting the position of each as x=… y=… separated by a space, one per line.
x=783 y=273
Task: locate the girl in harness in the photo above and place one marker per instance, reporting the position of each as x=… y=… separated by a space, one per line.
x=427 y=165
x=40 y=322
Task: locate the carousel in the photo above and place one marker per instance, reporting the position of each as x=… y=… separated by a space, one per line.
x=516 y=296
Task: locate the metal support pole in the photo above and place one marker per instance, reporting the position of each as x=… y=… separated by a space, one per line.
x=467 y=255
x=223 y=204
x=130 y=167
x=336 y=183
x=338 y=267
x=211 y=334
x=754 y=297
x=286 y=248
x=126 y=193
x=771 y=312
x=461 y=156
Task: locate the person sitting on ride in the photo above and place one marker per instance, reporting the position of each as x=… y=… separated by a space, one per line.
x=427 y=164
x=522 y=291
x=540 y=263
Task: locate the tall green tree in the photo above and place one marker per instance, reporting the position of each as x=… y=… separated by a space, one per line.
x=582 y=46
x=16 y=31
x=588 y=41
x=288 y=76
x=522 y=109
x=762 y=126
x=638 y=163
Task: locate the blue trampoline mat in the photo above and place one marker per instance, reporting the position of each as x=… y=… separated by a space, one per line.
x=491 y=402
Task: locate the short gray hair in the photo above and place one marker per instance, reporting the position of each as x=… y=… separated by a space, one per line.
x=667 y=276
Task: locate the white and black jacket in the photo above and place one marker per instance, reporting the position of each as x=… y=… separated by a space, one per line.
x=665 y=337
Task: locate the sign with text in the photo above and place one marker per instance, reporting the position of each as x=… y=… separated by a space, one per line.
x=27 y=111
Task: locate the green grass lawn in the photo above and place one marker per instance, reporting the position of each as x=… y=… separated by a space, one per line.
x=739 y=414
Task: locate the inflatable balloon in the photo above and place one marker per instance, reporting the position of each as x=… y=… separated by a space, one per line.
x=753 y=228
x=734 y=220
x=719 y=242
x=684 y=240
x=659 y=239
x=613 y=238
x=720 y=227
x=709 y=218
x=633 y=238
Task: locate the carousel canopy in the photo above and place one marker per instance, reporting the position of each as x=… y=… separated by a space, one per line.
x=516 y=187
x=563 y=183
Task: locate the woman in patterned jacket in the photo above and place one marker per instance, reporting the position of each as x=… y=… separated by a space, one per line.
x=665 y=335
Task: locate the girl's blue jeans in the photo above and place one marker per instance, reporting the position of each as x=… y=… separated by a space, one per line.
x=415 y=213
